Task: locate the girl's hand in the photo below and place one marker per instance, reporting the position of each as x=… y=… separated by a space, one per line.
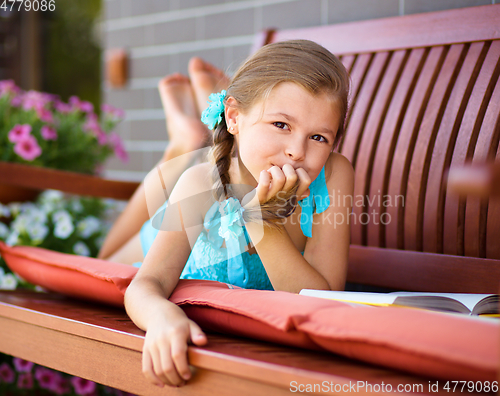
x=164 y=355
x=275 y=180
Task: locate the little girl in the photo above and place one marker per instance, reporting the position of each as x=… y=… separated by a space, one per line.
x=275 y=130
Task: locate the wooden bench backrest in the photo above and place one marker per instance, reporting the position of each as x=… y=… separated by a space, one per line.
x=425 y=96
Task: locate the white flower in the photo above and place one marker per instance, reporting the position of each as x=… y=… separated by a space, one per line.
x=61 y=215
x=2 y=272
x=38 y=232
x=8 y=282
x=88 y=226
x=63 y=229
x=38 y=216
x=27 y=207
x=4 y=211
x=21 y=223
x=4 y=231
x=13 y=239
x=15 y=208
x=51 y=196
x=81 y=249
x=76 y=205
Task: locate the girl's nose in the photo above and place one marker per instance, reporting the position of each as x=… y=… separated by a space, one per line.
x=295 y=150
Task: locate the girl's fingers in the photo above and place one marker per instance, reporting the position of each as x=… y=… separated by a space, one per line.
x=304 y=182
x=277 y=181
x=291 y=177
x=148 y=369
x=180 y=370
x=197 y=335
x=262 y=188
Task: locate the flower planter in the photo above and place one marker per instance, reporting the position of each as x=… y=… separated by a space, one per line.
x=10 y=194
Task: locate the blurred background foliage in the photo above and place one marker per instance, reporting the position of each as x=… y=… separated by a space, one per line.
x=71 y=54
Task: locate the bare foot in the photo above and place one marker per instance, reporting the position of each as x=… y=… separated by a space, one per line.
x=206 y=79
x=185 y=130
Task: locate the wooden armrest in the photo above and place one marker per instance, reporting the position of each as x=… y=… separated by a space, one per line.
x=422 y=271
x=102 y=344
x=71 y=182
x=482 y=180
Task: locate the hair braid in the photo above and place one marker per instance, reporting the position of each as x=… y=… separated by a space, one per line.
x=221 y=154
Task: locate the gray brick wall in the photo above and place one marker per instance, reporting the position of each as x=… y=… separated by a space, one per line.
x=162 y=35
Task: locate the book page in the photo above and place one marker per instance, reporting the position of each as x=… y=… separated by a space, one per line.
x=356 y=297
x=468 y=299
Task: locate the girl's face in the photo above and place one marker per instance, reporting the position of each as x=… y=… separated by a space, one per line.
x=291 y=127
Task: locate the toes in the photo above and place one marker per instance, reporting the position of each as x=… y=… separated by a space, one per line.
x=196 y=64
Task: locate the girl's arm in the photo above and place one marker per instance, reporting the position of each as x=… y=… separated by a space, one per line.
x=324 y=264
x=168 y=330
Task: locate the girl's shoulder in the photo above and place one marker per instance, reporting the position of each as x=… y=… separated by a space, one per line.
x=193 y=181
x=339 y=170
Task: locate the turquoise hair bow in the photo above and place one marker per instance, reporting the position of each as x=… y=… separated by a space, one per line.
x=212 y=115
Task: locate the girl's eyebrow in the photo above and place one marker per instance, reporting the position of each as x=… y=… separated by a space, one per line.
x=288 y=117
x=292 y=119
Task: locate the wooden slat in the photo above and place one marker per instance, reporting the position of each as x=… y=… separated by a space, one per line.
x=420 y=271
x=103 y=345
x=70 y=182
x=356 y=127
x=417 y=179
x=348 y=62
x=454 y=208
x=493 y=219
x=358 y=75
x=262 y=38
x=444 y=146
x=485 y=150
x=403 y=153
x=386 y=146
x=370 y=141
x=411 y=31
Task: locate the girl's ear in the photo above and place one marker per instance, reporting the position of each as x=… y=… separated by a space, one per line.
x=232 y=114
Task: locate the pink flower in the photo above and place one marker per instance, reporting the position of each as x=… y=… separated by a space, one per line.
x=48 y=133
x=19 y=132
x=62 y=107
x=35 y=99
x=92 y=125
x=83 y=386
x=8 y=86
x=25 y=381
x=60 y=385
x=87 y=107
x=44 y=114
x=28 y=148
x=16 y=101
x=118 y=147
x=7 y=375
x=47 y=379
x=112 y=111
x=63 y=386
x=22 y=366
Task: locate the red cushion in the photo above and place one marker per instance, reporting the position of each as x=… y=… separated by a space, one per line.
x=437 y=345
x=427 y=343
x=76 y=276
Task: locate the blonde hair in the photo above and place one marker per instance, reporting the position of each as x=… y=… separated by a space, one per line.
x=302 y=62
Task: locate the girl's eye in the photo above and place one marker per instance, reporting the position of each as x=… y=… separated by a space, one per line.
x=280 y=125
x=320 y=138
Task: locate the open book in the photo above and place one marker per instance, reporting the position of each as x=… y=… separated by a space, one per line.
x=472 y=304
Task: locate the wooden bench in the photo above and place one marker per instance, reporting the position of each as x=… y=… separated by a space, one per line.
x=425 y=97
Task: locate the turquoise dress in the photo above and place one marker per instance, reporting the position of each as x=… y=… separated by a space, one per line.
x=224 y=223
